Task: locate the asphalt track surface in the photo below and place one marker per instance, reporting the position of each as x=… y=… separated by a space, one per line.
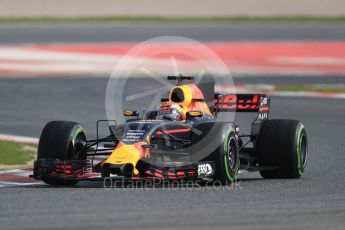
x=316 y=201
x=220 y=32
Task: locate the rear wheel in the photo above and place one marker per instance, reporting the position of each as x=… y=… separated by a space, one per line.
x=58 y=141
x=283 y=146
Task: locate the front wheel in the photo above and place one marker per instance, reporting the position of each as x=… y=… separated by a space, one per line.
x=226 y=157
x=58 y=141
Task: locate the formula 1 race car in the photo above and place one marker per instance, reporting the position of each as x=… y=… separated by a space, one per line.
x=201 y=145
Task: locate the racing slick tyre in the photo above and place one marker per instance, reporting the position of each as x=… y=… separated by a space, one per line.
x=283 y=146
x=226 y=157
x=57 y=141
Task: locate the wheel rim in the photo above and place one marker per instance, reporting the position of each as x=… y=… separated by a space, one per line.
x=231 y=154
x=78 y=154
x=303 y=151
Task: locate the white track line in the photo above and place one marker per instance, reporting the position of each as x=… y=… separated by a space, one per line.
x=21 y=139
x=5 y=184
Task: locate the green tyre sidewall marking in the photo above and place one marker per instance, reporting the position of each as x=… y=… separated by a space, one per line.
x=299 y=129
x=74 y=136
x=226 y=160
x=76 y=133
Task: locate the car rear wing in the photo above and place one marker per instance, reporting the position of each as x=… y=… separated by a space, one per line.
x=259 y=103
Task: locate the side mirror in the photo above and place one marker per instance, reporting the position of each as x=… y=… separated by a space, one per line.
x=193 y=114
x=130 y=113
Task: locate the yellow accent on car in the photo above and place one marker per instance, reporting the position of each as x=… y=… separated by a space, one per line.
x=125 y=154
x=195 y=113
x=188 y=96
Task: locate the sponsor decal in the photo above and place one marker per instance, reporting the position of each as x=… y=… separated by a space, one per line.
x=205 y=169
x=133 y=136
x=263 y=101
x=238 y=101
x=262 y=116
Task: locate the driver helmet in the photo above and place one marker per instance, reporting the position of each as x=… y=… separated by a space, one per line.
x=174 y=113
